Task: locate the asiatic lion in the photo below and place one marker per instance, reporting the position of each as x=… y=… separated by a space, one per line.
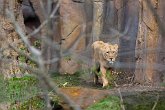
x=105 y=55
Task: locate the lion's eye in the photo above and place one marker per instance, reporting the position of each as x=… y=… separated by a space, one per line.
x=107 y=52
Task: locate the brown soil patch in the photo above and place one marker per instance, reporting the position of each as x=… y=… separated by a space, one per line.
x=84 y=96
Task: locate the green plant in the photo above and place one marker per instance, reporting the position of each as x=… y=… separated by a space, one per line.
x=95 y=69
x=22 y=58
x=67 y=80
x=37 y=43
x=34 y=103
x=22 y=93
x=109 y=74
x=20 y=89
x=111 y=77
x=67 y=58
x=3 y=91
x=145 y=101
x=109 y=103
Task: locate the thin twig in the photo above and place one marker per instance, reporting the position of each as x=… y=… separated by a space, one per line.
x=121 y=98
x=51 y=85
x=156 y=102
x=38 y=29
x=42 y=73
x=46 y=21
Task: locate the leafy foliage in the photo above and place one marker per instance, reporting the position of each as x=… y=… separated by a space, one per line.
x=20 y=89
x=109 y=103
x=3 y=91
x=34 y=103
x=37 y=43
x=22 y=93
x=67 y=80
x=145 y=101
x=111 y=75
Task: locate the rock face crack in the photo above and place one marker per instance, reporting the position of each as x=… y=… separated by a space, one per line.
x=79 y=1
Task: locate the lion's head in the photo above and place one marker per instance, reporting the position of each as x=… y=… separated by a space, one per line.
x=110 y=52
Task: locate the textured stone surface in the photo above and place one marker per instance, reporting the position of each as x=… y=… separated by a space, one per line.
x=69 y=27
x=69 y=66
x=161 y=53
x=97 y=20
x=8 y=35
x=119 y=15
x=146 y=46
x=72 y=27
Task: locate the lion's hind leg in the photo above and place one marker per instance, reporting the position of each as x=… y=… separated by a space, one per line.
x=96 y=72
x=96 y=79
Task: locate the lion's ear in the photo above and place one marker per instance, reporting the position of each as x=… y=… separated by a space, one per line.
x=116 y=46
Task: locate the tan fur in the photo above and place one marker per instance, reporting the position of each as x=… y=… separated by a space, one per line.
x=103 y=54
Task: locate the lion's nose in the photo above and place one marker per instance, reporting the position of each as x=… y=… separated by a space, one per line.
x=111 y=59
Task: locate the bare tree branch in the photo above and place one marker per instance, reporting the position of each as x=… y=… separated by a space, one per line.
x=156 y=102
x=42 y=73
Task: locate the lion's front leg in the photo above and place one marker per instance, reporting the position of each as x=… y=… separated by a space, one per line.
x=103 y=76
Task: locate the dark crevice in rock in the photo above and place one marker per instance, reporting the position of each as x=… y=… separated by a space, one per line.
x=78 y=1
x=31 y=19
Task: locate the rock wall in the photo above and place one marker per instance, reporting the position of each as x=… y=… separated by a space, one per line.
x=93 y=20
x=128 y=14
x=8 y=35
x=73 y=23
x=161 y=42
x=67 y=28
x=147 y=45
